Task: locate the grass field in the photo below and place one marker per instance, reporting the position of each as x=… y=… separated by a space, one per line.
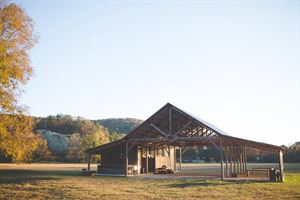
x=63 y=181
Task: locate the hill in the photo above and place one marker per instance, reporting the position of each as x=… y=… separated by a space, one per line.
x=119 y=125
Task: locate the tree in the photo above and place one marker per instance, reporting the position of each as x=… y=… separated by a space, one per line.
x=16 y=137
x=42 y=152
x=115 y=136
x=73 y=151
x=16 y=39
x=93 y=140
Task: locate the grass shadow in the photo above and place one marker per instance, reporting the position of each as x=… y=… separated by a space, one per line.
x=18 y=176
x=207 y=183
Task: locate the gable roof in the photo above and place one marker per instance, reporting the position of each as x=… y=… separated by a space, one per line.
x=181 y=121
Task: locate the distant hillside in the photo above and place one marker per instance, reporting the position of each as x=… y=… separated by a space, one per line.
x=119 y=125
x=67 y=125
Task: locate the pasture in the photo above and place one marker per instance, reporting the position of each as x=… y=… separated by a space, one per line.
x=64 y=181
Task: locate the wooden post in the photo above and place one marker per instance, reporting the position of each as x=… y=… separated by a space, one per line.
x=175 y=160
x=221 y=157
x=89 y=162
x=245 y=155
x=230 y=154
x=147 y=160
x=234 y=160
x=238 y=160
x=170 y=160
x=126 y=158
x=139 y=159
x=242 y=160
x=226 y=158
x=281 y=167
x=142 y=171
x=180 y=159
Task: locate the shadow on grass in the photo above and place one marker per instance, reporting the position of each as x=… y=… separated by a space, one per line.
x=23 y=176
x=210 y=183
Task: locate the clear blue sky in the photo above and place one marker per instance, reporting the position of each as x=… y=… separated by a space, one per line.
x=233 y=63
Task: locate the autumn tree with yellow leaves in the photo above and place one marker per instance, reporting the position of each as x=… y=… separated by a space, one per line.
x=17 y=140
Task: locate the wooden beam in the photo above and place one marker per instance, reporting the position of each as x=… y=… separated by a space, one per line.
x=198 y=138
x=160 y=131
x=184 y=150
x=132 y=145
x=183 y=127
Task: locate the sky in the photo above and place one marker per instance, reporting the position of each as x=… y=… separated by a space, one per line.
x=232 y=63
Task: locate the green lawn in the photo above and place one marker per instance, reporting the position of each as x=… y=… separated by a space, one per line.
x=63 y=181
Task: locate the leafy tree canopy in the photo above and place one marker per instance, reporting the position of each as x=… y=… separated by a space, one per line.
x=16 y=39
x=66 y=124
x=119 y=125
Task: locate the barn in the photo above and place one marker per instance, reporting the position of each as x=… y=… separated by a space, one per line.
x=156 y=144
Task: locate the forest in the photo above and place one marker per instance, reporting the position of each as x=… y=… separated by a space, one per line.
x=65 y=138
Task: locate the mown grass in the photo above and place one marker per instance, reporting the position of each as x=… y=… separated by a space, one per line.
x=55 y=181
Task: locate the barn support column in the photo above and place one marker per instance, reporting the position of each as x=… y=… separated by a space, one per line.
x=89 y=162
x=221 y=157
x=126 y=158
x=238 y=160
x=147 y=161
x=139 y=159
x=234 y=160
x=281 y=167
x=175 y=160
x=242 y=160
x=170 y=159
x=245 y=156
x=180 y=159
x=230 y=154
x=226 y=158
x=142 y=169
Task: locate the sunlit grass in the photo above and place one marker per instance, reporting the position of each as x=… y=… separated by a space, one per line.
x=64 y=181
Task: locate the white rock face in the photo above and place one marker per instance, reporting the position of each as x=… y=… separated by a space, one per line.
x=56 y=142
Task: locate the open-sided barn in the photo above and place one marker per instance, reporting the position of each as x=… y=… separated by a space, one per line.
x=152 y=146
